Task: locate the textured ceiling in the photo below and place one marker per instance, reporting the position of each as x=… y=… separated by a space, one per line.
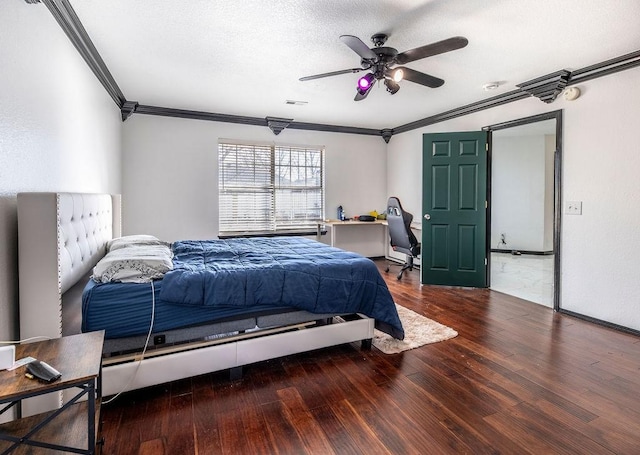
x=245 y=57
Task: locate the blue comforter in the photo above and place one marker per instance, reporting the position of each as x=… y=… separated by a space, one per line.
x=290 y=271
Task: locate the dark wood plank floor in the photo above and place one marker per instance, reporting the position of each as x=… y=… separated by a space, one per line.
x=518 y=379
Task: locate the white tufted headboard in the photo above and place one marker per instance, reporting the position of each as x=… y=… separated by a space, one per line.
x=61 y=236
x=85 y=224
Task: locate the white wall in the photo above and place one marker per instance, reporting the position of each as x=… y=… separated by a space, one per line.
x=170 y=173
x=601 y=248
x=518 y=202
x=601 y=158
x=59 y=130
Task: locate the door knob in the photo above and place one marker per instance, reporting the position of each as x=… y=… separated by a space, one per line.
x=427 y=216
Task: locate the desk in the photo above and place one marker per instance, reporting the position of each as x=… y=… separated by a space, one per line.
x=368 y=238
x=76 y=425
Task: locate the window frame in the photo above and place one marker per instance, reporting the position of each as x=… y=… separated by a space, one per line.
x=251 y=180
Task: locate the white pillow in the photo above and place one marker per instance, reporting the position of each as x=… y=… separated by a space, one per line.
x=132 y=240
x=134 y=264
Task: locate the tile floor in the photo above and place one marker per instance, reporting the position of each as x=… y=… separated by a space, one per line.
x=527 y=276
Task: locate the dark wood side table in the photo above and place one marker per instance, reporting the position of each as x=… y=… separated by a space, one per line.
x=75 y=427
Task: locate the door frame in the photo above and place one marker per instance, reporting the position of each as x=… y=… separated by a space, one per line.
x=557 y=183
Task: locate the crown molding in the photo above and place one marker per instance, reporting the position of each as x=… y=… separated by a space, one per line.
x=614 y=65
x=128 y=108
x=245 y=120
x=467 y=109
x=277 y=124
x=335 y=128
x=548 y=87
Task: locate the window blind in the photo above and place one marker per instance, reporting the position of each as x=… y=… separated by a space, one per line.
x=269 y=188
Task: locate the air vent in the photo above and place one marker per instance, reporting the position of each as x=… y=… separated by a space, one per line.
x=296 y=103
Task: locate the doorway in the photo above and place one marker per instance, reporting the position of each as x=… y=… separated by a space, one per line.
x=524 y=217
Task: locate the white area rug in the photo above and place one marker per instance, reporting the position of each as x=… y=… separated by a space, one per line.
x=418 y=331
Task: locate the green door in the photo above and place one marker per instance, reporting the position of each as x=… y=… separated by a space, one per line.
x=454 y=195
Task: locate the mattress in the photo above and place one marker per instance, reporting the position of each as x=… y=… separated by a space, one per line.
x=125 y=310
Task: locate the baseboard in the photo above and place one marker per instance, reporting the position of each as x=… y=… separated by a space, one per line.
x=535 y=253
x=610 y=325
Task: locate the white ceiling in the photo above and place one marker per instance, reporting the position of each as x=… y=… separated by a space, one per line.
x=245 y=57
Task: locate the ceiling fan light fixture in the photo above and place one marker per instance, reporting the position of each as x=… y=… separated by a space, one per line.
x=397 y=75
x=365 y=82
x=392 y=86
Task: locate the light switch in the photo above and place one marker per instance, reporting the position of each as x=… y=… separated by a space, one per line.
x=573 y=208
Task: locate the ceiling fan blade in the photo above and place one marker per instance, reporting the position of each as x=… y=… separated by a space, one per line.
x=421 y=78
x=440 y=47
x=332 y=73
x=358 y=46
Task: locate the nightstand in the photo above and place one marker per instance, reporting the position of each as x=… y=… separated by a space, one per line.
x=75 y=427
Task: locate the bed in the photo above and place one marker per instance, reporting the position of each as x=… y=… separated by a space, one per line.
x=62 y=236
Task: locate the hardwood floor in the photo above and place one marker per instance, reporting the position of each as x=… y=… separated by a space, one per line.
x=518 y=379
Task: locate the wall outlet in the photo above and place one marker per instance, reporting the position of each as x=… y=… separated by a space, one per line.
x=573 y=208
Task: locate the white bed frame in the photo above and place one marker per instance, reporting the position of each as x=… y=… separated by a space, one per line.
x=61 y=236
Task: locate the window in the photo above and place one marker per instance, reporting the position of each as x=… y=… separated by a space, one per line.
x=269 y=188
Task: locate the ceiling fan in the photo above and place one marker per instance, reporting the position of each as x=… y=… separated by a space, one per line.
x=381 y=62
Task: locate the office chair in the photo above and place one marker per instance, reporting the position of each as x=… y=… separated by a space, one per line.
x=401 y=236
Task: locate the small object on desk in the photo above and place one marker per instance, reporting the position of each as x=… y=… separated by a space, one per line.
x=42 y=371
x=366 y=218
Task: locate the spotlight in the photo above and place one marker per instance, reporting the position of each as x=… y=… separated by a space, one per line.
x=397 y=75
x=365 y=82
x=392 y=86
